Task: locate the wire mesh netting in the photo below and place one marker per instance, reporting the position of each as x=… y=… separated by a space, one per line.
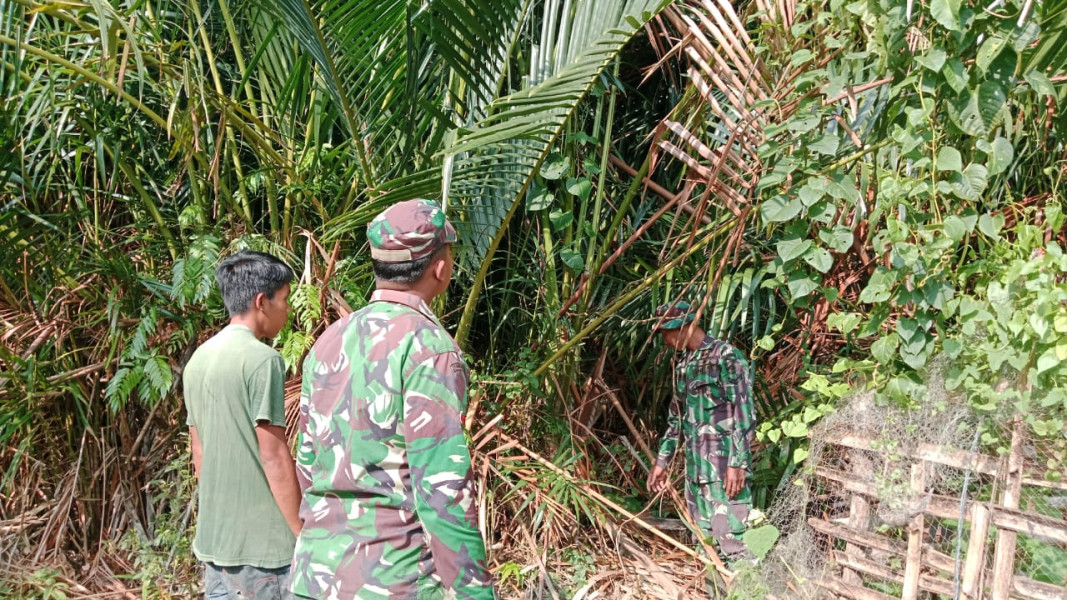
x=914 y=502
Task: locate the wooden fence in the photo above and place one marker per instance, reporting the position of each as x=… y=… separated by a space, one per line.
x=870 y=556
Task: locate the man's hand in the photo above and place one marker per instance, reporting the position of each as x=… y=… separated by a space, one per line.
x=734 y=482
x=657 y=480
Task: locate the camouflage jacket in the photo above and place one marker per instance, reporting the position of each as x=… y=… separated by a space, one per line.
x=388 y=501
x=713 y=387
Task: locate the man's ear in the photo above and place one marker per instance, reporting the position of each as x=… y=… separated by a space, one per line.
x=439 y=267
x=259 y=301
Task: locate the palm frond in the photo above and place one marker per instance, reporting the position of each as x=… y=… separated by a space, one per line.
x=502 y=154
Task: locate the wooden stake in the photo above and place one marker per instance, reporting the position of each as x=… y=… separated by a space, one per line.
x=974 y=566
x=915 y=536
x=1004 y=559
x=859 y=514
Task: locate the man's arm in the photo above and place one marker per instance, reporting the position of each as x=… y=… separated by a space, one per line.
x=738 y=387
x=196 y=451
x=280 y=471
x=305 y=450
x=668 y=445
x=441 y=477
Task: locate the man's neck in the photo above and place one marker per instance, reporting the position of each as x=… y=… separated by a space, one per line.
x=696 y=338
x=248 y=320
x=416 y=290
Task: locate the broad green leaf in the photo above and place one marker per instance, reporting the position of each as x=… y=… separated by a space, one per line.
x=539 y=199
x=843 y=187
x=1001 y=153
x=803 y=123
x=572 y=259
x=1060 y=325
x=914 y=359
x=955 y=228
x=580 y=187
x=884 y=350
x=955 y=75
x=947 y=13
x=760 y=540
x=798 y=456
x=989 y=50
x=952 y=348
x=907 y=329
x=1039 y=324
x=822 y=212
x=975 y=111
x=555 y=166
x=812 y=191
x=560 y=219
x=1041 y=84
x=879 y=287
x=1002 y=69
x=949 y=159
x=839 y=239
x=826 y=145
x=801 y=284
x=1025 y=36
x=1047 y=360
x=970 y=184
x=780 y=208
x=794 y=428
x=991 y=225
x=843 y=322
x=933 y=60
x=820 y=259
x=790 y=249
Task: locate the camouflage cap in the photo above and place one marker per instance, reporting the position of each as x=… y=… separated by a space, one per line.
x=408 y=231
x=673 y=316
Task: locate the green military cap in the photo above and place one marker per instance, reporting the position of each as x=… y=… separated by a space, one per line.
x=408 y=231
x=673 y=316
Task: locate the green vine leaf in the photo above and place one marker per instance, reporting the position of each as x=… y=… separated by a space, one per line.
x=949 y=159
x=946 y=13
x=793 y=248
x=780 y=208
x=975 y=111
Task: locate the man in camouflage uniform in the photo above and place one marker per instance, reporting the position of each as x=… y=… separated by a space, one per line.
x=388 y=498
x=712 y=410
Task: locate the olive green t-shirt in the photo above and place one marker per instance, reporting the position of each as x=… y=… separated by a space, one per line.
x=232 y=381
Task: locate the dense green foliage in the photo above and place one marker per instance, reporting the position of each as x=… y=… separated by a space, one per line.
x=855 y=193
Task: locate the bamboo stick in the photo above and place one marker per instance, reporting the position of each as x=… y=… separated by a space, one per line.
x=915 y=537
x=851 y=591
x=1004 y=554
x=974 y=565
x=874 y=541
x=1025 y=587
x=859 y=513
x=1031 y=524
x=924 y=582
x=957 y=459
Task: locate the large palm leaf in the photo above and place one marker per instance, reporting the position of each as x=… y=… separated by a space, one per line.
x=404 y=72
x=453 y=67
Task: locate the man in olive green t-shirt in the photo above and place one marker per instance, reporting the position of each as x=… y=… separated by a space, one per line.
x=248 y=494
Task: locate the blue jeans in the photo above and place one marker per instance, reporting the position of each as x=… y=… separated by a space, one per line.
x=245 y=583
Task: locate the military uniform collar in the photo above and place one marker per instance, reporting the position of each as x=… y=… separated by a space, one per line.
x=405 y=298
x=689 y=355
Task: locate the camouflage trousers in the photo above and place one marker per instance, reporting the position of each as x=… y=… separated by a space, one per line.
x=720 y=517
x=245 y=583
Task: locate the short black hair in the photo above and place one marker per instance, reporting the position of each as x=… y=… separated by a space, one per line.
x=244 y=275
x=405 y=272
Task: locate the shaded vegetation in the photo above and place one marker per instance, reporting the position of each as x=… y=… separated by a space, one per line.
x=848 y=190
